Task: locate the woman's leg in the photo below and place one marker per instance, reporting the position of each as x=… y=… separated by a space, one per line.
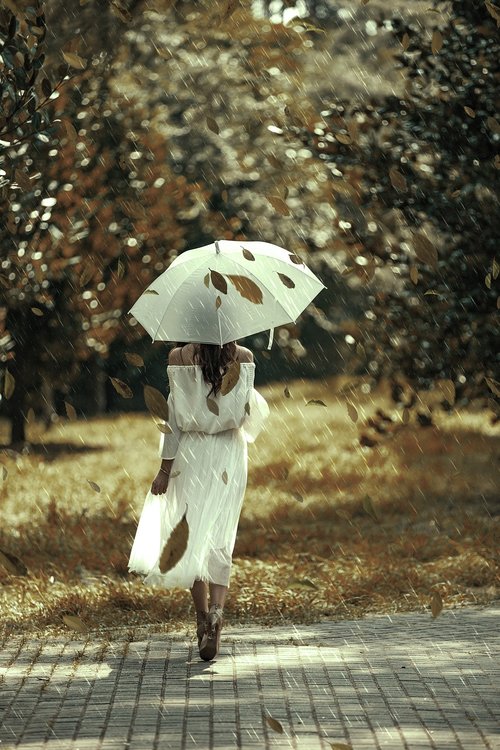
x=199 y=592
x=217 y=593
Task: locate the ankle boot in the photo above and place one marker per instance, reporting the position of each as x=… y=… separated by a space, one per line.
x=209 y=646
x=201 y=624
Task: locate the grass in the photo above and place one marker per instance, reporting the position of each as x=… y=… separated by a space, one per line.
x=330 y=528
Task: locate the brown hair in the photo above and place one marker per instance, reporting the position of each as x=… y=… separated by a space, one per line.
x=212 y=359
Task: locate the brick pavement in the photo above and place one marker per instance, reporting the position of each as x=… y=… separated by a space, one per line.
x=400 y=681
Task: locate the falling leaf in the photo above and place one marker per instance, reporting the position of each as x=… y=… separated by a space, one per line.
x=218 y=302
x=212 y=406
x=175 y=546
x=370 y=508
x=75 y=623
x=344 y=138
x=298 y=496
x=219 y=281
x=278 y=204
x=74 y=60
x=437 y=41
x=230 y=378
x=9 y=384
x=224 y=476
x=405 y=417
x=37 y=311
x=206 y=280
x=212 y=125
x=174 y=474
x=94 y=485
x=151 y=291
x=424 y=249
x=448 y=389
x=301 y=583
x=274 y=724
x=352 y=411
x=5 y=473
x=164 y=427
x=287 y=392
x=121 y=387
x=70 y=411
x=431 y=291
x=469 y=111
x=134 y=359
x=247 y=254
x=86 y=275
x=405 y=41
x=493 y=125
x=493 y=385
x=246 y=287
x=295 y=259
x=156 y=402
x=414 y=274
x=274 y=161
x=12 y=563
x=436 y=604
x=495 y=269
x=247 y=408
x=493 y=11
x=398 y=180
x=316 y=401
x=287 y=281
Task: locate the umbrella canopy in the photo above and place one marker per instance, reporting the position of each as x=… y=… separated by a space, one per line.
x=225 y=291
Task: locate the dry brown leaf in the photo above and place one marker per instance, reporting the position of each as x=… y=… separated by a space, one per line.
x=212 y=406
x=246 y=287
x=224 y=476
x=493 y=385
x=134 y=359
x=316 y=401
x=175 y=546
x=206 y=280
x=70 y=411
x=469 y=111
x=94 y=485
x=121 y=387
x=436 y=604
x=352 y=411
x=74 y=60
x=278 y=204
x=424 y=249
x=437 y=41
x=212 y=125
x=287 y=281
x=218 y=281
x=75 y=623
x=274 y=724
x=230 y=378
x=493 y=125
x=344 y=138
x=286 y=392
x=303 y=584
x=398 y=180
x=151 y=291
x=156 y=402
x=247 y=254
x=218 y=302
x=414 y=274
x=9 y=384
x=274 y=161
x=405 y=41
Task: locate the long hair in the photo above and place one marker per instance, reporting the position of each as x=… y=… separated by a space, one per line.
x=213 y=359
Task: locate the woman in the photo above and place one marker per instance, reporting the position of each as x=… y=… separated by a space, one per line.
x=203 y=474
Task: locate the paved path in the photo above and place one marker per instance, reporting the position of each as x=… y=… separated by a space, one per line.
x=401 y=681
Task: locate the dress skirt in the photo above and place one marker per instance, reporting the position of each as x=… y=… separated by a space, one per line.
x=211 y=477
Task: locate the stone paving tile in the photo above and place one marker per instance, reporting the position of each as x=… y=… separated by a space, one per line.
x=401 y=681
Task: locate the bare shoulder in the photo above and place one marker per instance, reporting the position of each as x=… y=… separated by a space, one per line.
x=244 y=354
x=174 y=357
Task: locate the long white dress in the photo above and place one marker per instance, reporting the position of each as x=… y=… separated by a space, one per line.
x=207 y=450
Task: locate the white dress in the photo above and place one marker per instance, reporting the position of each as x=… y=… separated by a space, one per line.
x=207 y=449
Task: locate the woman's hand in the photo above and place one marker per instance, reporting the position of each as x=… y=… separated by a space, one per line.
x=160 y=483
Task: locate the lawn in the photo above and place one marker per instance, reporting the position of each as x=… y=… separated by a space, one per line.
x=330 y=528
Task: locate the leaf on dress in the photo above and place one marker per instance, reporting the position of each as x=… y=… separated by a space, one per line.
x=212 y=406
x=224 y=476
x=230 y=378
x=156 y=402
x=175 y=546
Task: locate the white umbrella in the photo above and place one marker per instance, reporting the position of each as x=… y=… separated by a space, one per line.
x=225 y=291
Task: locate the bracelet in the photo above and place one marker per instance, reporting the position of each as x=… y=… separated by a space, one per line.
x=165 y=472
